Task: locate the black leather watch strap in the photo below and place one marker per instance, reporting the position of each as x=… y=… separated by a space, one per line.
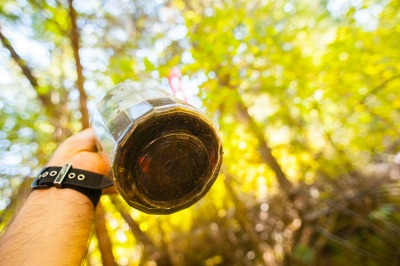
x=86 y=182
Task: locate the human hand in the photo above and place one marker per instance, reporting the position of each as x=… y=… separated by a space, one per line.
x=54 y=217
x=80 y=150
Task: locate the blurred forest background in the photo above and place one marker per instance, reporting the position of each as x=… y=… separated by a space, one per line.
x=305 y=94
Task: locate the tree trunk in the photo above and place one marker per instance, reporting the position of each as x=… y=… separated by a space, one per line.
x=104 y=242
x=75 y=37
x=247 y=224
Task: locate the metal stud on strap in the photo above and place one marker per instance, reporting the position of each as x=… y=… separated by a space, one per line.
x=61 y=175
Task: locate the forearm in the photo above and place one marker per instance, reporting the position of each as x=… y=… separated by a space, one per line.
x=52 y=228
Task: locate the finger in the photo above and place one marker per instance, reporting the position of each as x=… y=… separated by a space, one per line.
x=90 y=161
x=82 y=141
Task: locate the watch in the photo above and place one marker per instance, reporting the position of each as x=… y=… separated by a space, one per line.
x=86 y=182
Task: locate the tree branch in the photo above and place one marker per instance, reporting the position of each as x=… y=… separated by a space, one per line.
x=265 y=150
x=263 y=147
x=350 y=246
x=378 y=88
x=157 y=254
x=45 y=99
x=75 y=37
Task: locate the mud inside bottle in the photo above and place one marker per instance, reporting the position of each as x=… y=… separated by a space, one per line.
x=168 y=160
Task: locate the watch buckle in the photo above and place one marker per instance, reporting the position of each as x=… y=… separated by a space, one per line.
x=61 y=175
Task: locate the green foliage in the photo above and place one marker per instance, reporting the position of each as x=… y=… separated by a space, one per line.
x=302 y=91
x=303 y=254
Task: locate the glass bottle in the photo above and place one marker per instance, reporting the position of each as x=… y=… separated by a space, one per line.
x=163 y=153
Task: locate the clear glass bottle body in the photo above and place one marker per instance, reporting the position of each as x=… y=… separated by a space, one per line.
x=164 y=154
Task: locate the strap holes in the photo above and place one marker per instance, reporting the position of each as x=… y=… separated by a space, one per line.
x=53 y=173
x=71 y=175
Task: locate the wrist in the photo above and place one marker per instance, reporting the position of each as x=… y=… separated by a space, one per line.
x=61 y=198
x=85 y=182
